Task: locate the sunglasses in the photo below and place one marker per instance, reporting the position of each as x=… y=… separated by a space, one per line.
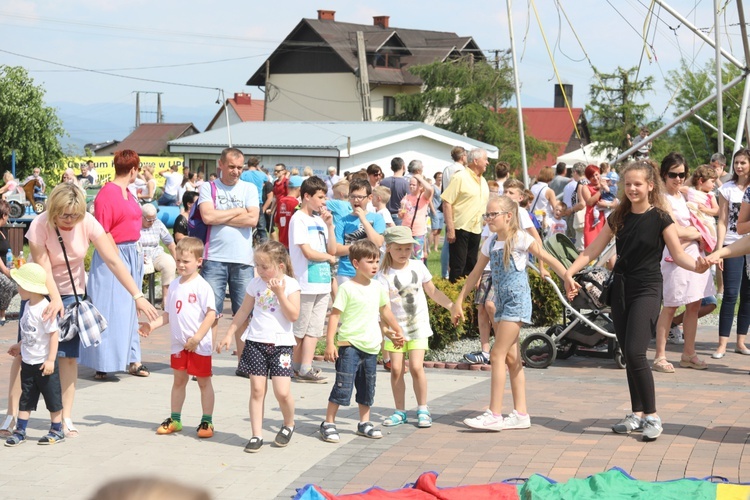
x=492 y=215
x=674 y=175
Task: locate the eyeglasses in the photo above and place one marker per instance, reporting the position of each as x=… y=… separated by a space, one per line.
x=492 y=215
x=149 y=220
x=69 y=216
x=674 y=175
x=356 y=197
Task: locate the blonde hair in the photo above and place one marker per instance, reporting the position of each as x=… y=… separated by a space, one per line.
x=7 y=176
x=383 y=193
x=277 y=253
x=64 y=196
x=190 y=244
x=341 y=190
x=307 y=171
x=505 y=204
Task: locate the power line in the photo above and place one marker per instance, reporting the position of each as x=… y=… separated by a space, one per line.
x=165 y=66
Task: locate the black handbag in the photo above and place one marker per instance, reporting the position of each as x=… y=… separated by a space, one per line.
x=606 y=296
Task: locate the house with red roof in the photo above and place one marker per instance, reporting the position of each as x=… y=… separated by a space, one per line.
x=150 y=139
x=240 y=108
x=557 y=126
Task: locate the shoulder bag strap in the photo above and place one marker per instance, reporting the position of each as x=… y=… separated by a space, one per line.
x=536 y=199
x=67 y=264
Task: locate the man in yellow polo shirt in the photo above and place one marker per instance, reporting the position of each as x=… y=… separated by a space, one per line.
x=464 y=202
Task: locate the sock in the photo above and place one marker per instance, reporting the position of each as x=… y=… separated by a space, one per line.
x=499 y=415
x=305 y=369
x=486 y=354
x=521 y=414
x=422 y=407
x=296 y=366
x=177 y=417
x=21 y=424
x=207 y=418
x=57 y=427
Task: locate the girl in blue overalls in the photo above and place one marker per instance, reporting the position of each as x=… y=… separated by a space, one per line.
x=507 y=252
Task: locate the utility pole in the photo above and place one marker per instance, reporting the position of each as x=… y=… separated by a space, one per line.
x=364 y=78
x=497 y=67
x=158 y=112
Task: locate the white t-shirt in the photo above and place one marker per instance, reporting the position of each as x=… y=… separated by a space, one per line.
x=486 y=233
x=35 y=333
x=187 y=305
x=386 y=217
x=408 y=300
x=314 y=277
x=556 y=226
x=568 y=191
x=269 y=325
x=524 y=219
x=520 y=251
x=173 y=182
x=733 y=196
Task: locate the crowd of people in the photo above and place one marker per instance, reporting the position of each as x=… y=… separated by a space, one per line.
x=305 y=257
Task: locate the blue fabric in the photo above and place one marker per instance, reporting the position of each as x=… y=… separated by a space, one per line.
x=71 y=348
x=351 y=230
x=257 y=178
x=512 y=292
x=218 y=274
x=736 y=284
x=354 y=369
x=121 y=345
x=444 y=258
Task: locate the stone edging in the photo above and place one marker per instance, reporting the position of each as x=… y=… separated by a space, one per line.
x=441 y=365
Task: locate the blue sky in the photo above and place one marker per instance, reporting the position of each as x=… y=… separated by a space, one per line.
x=220 y=44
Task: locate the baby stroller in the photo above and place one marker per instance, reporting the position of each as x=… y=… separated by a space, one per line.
x=586 y=327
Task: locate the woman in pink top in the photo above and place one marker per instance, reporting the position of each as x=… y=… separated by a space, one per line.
x=10 y=184
x=413 y=212
x=119 y=213
x=66 y=212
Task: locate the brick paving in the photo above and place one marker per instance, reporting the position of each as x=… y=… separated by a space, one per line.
x=573 y=404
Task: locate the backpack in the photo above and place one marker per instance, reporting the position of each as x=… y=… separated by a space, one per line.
x=195 y=225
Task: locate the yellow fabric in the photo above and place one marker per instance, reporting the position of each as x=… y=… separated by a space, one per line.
x=732 y=492
x=467 y=194
x=409 y=345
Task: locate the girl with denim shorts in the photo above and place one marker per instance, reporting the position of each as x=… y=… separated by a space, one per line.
x=274 y=299
x=507 y=252
x=408 y=281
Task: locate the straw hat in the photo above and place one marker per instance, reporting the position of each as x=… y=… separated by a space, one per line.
x=31 y=277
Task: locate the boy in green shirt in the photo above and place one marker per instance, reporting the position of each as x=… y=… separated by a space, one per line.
x=359 y=302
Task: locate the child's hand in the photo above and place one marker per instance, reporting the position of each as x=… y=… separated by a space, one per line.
x=144 y=329
x=192 y=344
x=360 y=212
x=457 y=313
x=396 y=337
x=47 y=368
x=331 y=352
x=571 y=287
x=15 y=349
x=701 y=265
x=276 y=286
x=326 y=215
x=225 y=344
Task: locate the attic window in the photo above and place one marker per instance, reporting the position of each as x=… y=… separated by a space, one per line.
x=386 y=60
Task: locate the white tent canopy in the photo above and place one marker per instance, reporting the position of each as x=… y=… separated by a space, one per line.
x=587 y=156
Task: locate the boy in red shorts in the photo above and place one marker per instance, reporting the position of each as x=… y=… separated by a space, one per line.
x=189 y=310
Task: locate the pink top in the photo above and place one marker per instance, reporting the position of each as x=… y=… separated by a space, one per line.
x=118 y=216
x=408 y=204
x=12 y=185
x=77 y=242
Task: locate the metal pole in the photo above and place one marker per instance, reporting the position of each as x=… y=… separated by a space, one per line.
x=686 y=114
x=746 y=93
x=711 y=126
x=517 y=82
x=13 y=163
x=226 y=114
x=699 y=33
x=719 y=96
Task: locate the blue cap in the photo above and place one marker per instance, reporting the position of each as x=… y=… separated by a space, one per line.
x=295 y=181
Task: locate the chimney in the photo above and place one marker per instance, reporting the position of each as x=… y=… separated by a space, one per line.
x=242 y=98
x=326 y=15
x=381 y=21
x=559 y=99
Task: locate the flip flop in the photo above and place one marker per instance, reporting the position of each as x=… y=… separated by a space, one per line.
x=100 y=376
x=662 y=365
x=138 y=371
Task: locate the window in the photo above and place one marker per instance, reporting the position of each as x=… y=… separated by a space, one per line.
x=389 y=106
x=386 y=60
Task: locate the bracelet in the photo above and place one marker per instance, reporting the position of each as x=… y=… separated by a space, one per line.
x=138 y=295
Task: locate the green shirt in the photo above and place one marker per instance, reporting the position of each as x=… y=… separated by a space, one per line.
x=360 y=310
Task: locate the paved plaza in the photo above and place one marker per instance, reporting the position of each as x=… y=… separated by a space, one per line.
x=573 y=404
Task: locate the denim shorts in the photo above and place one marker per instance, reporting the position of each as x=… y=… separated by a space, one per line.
x=219 y=274
x=354 y=369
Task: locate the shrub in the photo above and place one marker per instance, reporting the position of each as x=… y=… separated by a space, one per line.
x=440 y=319
x=546 y=308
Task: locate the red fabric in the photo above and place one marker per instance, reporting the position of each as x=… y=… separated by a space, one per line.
x=281 y=187
x=591 y=231
x=118 y=216
x=285 y=208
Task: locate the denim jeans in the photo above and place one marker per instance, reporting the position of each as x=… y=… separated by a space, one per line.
x=167 y=200
x=444 y=257
x=261 y=234
x=218 y=274
x=354 y=369
x=736 y=284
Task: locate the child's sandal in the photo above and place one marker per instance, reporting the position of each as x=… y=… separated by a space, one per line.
x=329 y=433
x=398 y=418
x=69 y=429
x=424 y=419
x=366 y=429
x=6 y=430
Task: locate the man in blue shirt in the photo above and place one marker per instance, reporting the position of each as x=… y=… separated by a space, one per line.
x=255 y=176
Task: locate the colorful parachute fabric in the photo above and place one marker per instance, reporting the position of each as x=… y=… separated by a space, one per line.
x=612 y=484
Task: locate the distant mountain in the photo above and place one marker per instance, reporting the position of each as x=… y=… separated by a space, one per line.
x=91 y=123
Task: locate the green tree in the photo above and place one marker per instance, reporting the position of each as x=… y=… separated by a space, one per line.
x=695 y=139
x=461 y=95
x=615 y=107
x=26 y=124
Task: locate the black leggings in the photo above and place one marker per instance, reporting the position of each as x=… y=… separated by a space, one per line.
x=635 y=322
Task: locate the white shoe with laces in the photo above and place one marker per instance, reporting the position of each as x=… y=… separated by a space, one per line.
x=675 y=336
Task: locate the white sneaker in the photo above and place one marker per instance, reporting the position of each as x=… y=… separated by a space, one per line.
x=675 y=336
x=516 y=421
x=485 y=422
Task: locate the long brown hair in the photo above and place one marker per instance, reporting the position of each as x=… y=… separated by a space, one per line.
x=655 y=197
x=277 y=253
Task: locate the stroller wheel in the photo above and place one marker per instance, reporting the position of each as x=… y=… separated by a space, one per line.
x=565 y=348
x=619 y=358
x=538 y=350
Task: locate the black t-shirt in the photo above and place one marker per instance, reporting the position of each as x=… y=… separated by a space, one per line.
x=640 y=245
x=180 y=225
